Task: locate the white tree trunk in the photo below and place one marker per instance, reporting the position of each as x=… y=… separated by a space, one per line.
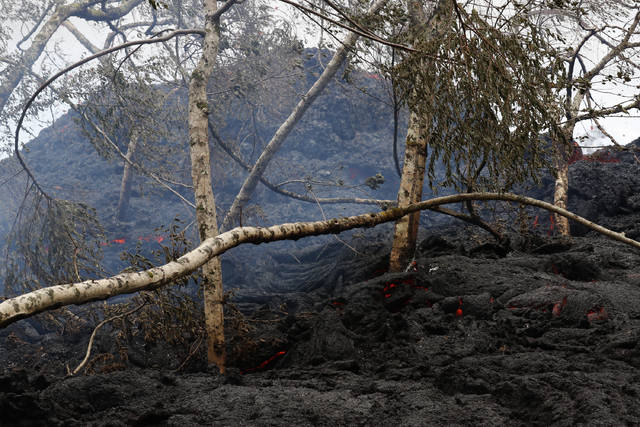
x=201 y=175
x=561 y=195
x=415 y=156
x=406 y=229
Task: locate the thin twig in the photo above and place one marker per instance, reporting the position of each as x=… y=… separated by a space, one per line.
x=93 y=336
x=325 y=218
x=191 y=353
x=365 y=34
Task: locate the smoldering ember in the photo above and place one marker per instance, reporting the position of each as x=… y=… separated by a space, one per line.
x=442 y=201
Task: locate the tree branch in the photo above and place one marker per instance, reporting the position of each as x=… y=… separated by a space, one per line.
x=35 y=26
x=608 y=111
x=107 y=14
x=271 y=186
x=249 y=185
x=73 y=66
x=80 y=37
x=615 y=51
x=26 y=305
x=93 y=336
x=358 y=30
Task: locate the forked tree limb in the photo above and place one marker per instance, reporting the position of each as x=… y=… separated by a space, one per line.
x=31 y=303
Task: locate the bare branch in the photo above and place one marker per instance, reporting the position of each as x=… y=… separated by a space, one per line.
x=609 y=111
x=124 y=27
x=93 y=336
x=115 y=147
x=276 y=188
x=35 y=26
x=107 y=14
x=615 y=51
x=358 y=30
x=29 y=304
x=287 y=126
x=80 y=37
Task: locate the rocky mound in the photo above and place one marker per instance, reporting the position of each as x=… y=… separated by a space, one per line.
x=537 y=331
x=541 y=332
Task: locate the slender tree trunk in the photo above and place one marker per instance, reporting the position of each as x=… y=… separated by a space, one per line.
x=561 y=189
x=201 y=175
x=562 y=151
x=406 y=228
x=411 y=182
x=250 y=183
x=127 y=179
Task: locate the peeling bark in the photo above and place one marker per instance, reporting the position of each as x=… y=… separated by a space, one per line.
x=411 y=182
x=27 y=305
x=561 y=197
x=201 y=176
x=561 y=188
x=405 y=232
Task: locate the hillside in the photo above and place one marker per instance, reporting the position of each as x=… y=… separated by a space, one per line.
x=534 y=330
x=345 y=138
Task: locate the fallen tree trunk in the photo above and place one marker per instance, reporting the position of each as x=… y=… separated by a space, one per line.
x=49 y=298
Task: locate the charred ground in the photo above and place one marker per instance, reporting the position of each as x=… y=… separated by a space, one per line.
x=544 y=331
x=539 y=330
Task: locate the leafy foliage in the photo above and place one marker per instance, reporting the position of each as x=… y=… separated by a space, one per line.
x=125 y=103
x=485 y=95
x=52 y=242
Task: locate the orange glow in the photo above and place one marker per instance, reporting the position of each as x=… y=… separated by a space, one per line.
x=559 y=306
x=597 y=314
x=265 y=363
x=389 y=287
